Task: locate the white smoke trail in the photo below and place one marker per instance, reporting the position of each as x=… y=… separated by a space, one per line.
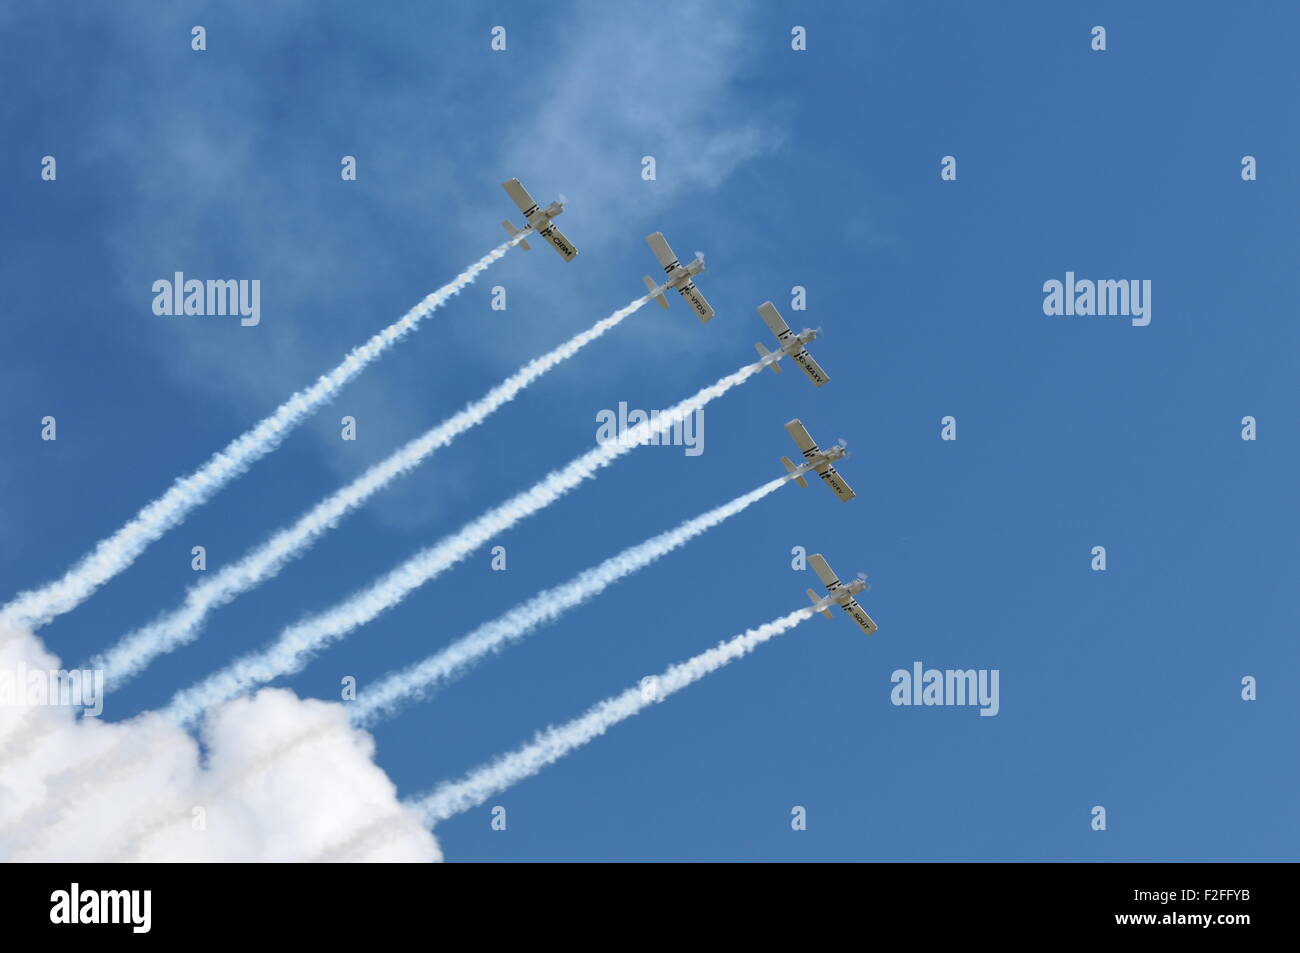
x=549 y=746
x=421 y=679
x=297 y=644
x=115 y=553
x=135 y=651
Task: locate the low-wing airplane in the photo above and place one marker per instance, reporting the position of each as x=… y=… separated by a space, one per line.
x=817 y=460
x=791 y=343
x=842 y=594
x=538 y=220
x=678 y=276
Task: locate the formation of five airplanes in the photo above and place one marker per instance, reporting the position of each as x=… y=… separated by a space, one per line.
x=300 y=641
x=680 y=278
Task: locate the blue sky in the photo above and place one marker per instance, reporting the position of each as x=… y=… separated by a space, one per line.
x=817 y=168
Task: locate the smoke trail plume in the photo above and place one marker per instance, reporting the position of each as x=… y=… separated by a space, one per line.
x=419 y=680
x=552 y=744
x=135 y=651
x=115 y=553
x=297 y=644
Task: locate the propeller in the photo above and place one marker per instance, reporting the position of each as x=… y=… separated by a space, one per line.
x=863 y=576
x=699 y=255
x=843 y=443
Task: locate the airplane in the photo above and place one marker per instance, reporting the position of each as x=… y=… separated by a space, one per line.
x=791 y=343
x=538 y=220
x=842 y=594
x=679 y=276
x=818 y=460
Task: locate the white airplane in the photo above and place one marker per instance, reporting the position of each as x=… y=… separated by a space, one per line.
x=818 y=460
x=791 y=343
x=538 y=220
x=678 y=276
x=843 y=594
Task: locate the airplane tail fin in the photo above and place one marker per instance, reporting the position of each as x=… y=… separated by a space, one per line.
x=514 y=231
x=816 y=599
x=651 y=286
x=791 y=467
x=764 y=352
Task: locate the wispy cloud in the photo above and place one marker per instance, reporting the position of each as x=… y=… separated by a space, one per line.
x=117 y=552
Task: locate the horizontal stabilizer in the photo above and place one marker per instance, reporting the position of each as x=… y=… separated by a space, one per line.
x=514 y=231
x=791 y=467
x=764 y=352
x=651 y=286
x=816 y=599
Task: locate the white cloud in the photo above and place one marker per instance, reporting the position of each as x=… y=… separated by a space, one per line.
x=278 y=779
x=662 y=82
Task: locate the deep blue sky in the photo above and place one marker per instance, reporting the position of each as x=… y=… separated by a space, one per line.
x=816 y=168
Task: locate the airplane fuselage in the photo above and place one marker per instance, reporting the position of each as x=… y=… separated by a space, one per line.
x=679 y=275
x=844 y=593
x=829 y=475
x=794 y=343
x=826 y=456
x=539 y=220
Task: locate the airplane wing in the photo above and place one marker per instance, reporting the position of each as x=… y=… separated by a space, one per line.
x=823 y=570
x=520 y=195
x=772 y=318
x=801 y=437
x=661 y=249
x=692 y=294
x=560 y=243
x=831 y=477
x=811 y=368
x=860 y=617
